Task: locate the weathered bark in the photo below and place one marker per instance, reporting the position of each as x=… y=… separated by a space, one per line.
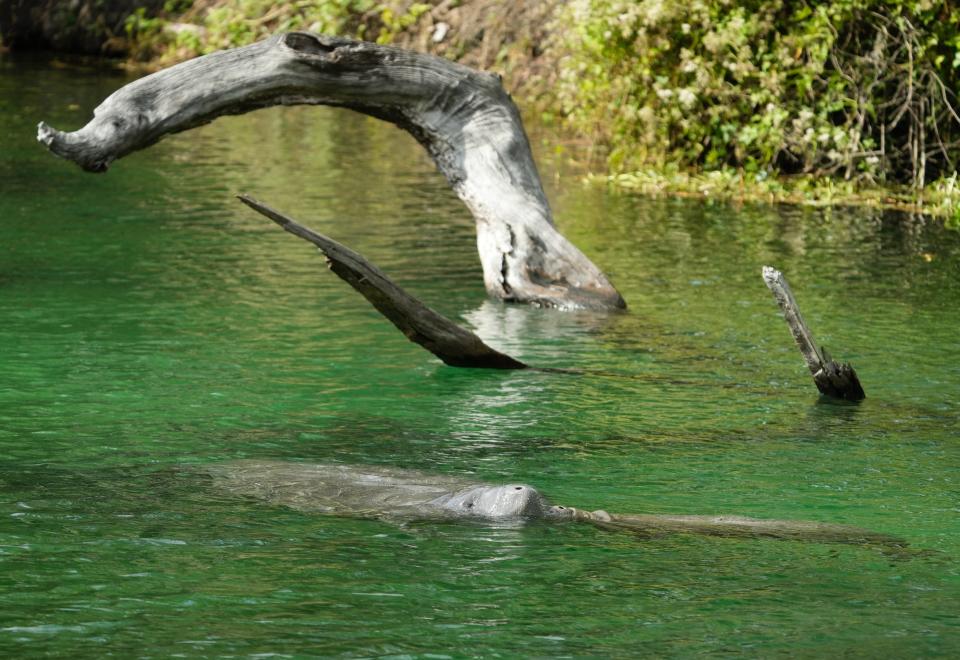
x=456 y=346
x=831 y=378
x=464 y=119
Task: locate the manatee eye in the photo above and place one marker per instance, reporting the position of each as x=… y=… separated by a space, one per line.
x=468 y=505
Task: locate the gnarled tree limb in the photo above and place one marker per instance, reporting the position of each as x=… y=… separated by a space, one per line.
x=464 y=119
x=453 y=344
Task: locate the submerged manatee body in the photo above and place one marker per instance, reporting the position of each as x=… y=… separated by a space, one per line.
x=395 y=494
x=378 y=492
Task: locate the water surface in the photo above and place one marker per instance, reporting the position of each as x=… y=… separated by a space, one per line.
x=150 y=321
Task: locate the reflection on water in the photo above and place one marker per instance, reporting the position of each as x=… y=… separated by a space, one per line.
x=151 y=321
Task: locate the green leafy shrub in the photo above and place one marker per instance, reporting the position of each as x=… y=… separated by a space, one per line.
x=860 y=89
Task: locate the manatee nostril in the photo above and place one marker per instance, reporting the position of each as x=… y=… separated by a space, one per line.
x=469 y=505
x=518 y=488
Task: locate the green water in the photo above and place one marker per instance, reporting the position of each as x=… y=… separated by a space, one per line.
x=149 y=321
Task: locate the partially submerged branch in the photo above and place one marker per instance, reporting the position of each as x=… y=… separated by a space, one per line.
x=738 y=527
x=453 y=344
x=464 y=119
x=831 y=378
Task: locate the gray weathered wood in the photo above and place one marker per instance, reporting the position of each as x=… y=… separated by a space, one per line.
x=463 y=117
x=456 y=346
x=831 y=378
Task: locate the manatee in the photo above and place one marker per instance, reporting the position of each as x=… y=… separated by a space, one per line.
x=399 y=495
x=378 y=492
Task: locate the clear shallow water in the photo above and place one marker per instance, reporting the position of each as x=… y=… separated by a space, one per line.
x=149 y=321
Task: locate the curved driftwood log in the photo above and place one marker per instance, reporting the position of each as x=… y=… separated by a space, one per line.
x=831 y=378
x=464 y=119
x=453 y=344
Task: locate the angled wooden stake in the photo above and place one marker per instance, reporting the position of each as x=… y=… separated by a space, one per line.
x=831 y=378
x=453 y=344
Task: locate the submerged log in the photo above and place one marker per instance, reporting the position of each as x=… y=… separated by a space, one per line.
x=456 y=346
x=737 y=527
x=464 y=119
x=831 y=378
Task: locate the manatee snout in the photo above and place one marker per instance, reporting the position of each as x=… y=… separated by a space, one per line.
x=511 y=500
x=508 y=501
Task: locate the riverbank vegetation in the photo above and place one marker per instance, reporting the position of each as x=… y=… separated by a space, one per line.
x=841 y=101
x=827 y=101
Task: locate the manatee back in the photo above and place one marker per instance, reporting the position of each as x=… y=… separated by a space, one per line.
x=360 y=491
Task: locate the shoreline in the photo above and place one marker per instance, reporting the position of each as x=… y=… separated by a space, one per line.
x=941 y=202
